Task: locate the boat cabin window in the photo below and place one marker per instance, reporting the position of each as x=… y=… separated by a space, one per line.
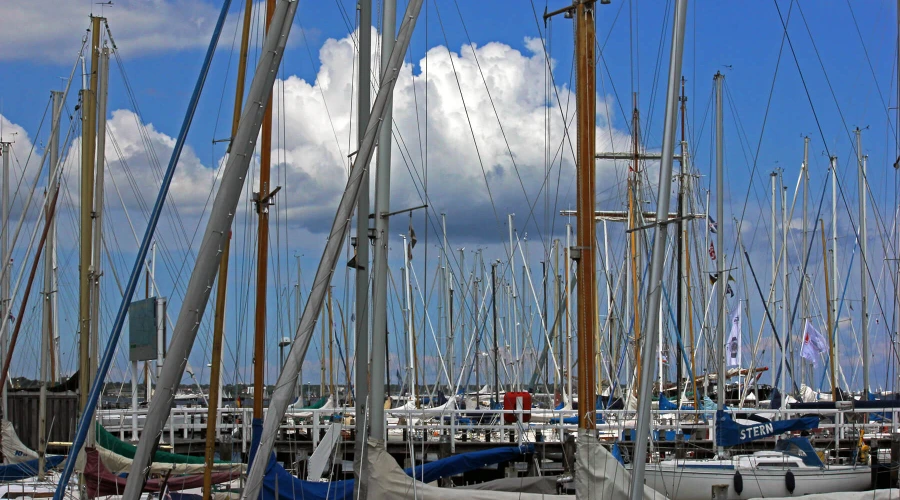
x=776 y=464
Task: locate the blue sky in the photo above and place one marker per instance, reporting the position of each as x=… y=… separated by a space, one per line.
x=162 y=47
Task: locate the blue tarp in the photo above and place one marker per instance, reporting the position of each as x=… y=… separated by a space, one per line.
x=281 y=484
x=573 y=420
x=731 y=433
x=665 y=404
x=25 y=470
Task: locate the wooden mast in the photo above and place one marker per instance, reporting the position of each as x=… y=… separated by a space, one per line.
x=585 y=34
x=88 y=147
x=830 y=318
x=263 y=199
x=634 y=239
x=215 y=376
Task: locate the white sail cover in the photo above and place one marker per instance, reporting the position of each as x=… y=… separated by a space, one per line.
x=14 y=449
x=599 y=476
x=388 y=482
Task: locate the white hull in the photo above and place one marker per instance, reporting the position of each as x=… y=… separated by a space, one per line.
x=693 y=481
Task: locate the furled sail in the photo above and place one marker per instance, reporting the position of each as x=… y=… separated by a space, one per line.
x=14 y=449
x=101 y=482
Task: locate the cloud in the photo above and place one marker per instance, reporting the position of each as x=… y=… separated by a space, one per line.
x=139 y=27
x=477 y=165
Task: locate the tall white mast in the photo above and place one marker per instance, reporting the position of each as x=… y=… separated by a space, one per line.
x=47 y=330
x=864 y=263
x=834 y=266
x=5 y=299
x=657 y=264
x=722 y=281
x=382 y=228
x=362 y=246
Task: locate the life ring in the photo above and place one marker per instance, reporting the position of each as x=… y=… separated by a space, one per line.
x=738 y=482
x=790 y=482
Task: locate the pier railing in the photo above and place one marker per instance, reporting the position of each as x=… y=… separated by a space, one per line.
x=455 y=426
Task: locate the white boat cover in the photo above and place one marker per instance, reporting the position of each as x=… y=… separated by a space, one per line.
x=14 y=449
x=885 y=494
x=599 y=476
x=540 y=484
x=388 y=482
x=118 y=464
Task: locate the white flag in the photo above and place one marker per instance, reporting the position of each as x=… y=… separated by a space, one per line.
x=813 y=343
x=733 y=347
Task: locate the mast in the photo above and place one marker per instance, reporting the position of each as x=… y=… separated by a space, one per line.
x=5 y=299
x=263 y=199
x=586 y=104
x=47 y=330
x=496 y=346
x=773 y=178
x=215 y=377
x=96 y=272
x=88 y=145
x=322 y=361
x=478 y=330
x=679 y=358
x=634 y=186
x=382 y=229
x=784 y=285
x=512 y=314
x=220 y=220
x=363 y=96
x=830 y=316
x=568 y=312
x=863 y=267
x=722 y=278
x=557 y=323
x=448 y=298
x=330 y=310
x=325 y=270
x=834 y=270
x=659 y=245
x=805 y=179
x=410 y=339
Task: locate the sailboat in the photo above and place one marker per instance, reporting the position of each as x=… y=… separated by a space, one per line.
x=792 y=468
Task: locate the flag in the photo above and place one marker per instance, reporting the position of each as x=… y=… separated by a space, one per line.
x=733 y=347
x=712 y=251
x=713 y=226
x=352 y=264
x=412 y=238
x=813 y=343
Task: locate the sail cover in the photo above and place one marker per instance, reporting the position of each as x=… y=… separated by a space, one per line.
x=25 y=470
x=731 y=433
x=279 y=483
x=598 y=474
x=101 y=482
x=119 y=447
x=388 y=482
x=14 y=449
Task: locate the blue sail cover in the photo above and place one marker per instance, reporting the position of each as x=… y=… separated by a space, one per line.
x=731 y=433
x=281 y=484
x=25 y=470
x=665 y=404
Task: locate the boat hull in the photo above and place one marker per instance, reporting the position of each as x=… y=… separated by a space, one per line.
x=696 y=482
